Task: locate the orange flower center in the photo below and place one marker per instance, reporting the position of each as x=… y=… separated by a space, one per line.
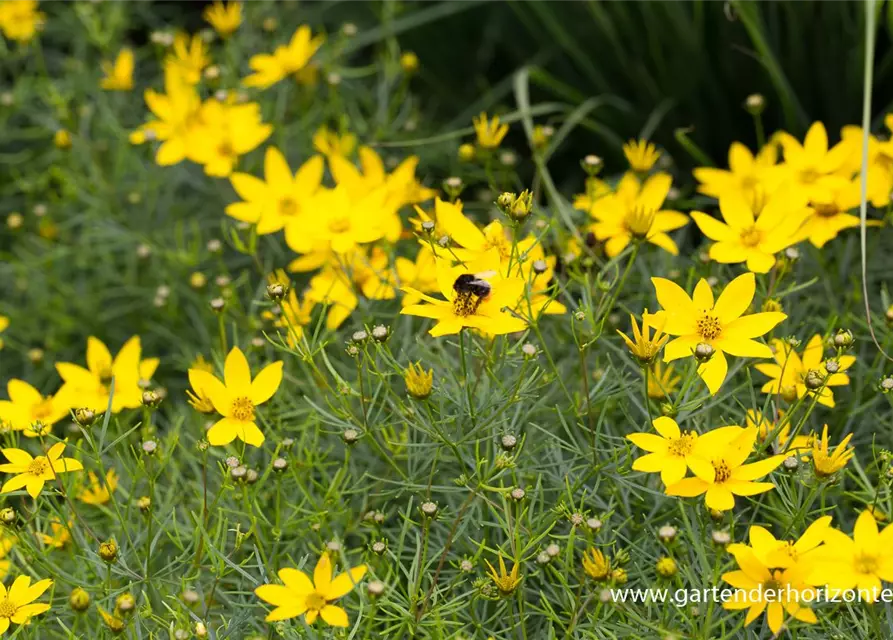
x=826 y=209
x=226 y=150
x=38 y=466
x=709 y=327
x=7 y=608
x=866 y=563
x=288 y=207
x=315 y=601
x=683 y=445
x=751 y=237
x=723 y=472
x=243 y=409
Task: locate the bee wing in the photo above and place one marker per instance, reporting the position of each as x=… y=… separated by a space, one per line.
x=484 y=275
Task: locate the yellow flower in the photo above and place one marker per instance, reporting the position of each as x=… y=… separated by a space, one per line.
x=759 y=589
x=641 y=155
x=176 y=116
x=17 y=605
x=4 y=323
x=98 y=492
x=226 y=131
x=766 y=427
x=26 y=406
x=7 y=542
x=671 y=452
x=726 y=475
x=830 y=215
x=59 y=536
x=784 y=554
x=505 y=582
x=827 y=464
x=62 y=139
x=225 y=18
x=633 y=212
x=596 y=189
x=90 y=387
x=329 y=143
x=281 y=198
x=409 y=62
x=662 y=381
x=489 y=132
x=112 y=621
x=860 y=562
x=294 y=315
x=753 y=233
x=300 y=596
x=812 y=167
x=188 y=57
x=642 y=345
x=118 y=76
x=421 y=275
x=747 y=175
x=788 y=375
x=719 y=324
x=20 y=20
x=201 y=364
x=472 y=300
x=596 y=565
x=338 y=222
x=285 y=60
x=237 y=398
x=418 y=381
x=880 y=161
x=33 y=473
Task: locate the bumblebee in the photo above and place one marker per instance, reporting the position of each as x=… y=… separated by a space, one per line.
x=471 y=289
x=472 y=283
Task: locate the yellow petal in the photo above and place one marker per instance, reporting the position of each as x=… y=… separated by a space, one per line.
x=266 y=383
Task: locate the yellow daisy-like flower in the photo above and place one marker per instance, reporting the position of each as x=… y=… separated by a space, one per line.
x=418 y=381
x=176 y=114
x=596 y=189
x=330 y=143
x=662 y=381
x=421 y=275
x=784 y=554
x=118 y=75
x=301 y=596
x=33 y=472
x=595 y=564
x=59 y=536
x=284 y=61
x=506 y=582
x=20 y=19
x=281 y=197
x=766 y=427
x=634 y=212
x=17 y=604
x=225 y=18
x=790 y=371
x=860 y=562
x=98 y=492
x=726 y=475
x=90 y=387
x=753 y=233
x=7 y=542
x=831 y=214
x=720 y=324
x=237 y=398
x=26 y=407
x=642 y=345
x=472 y=300
x=188 y=57
x=226 y=132
x=747 y=174
x=827 y=464
x=812 y=167
x=760 y=588
x=671 y=452
x=489 y=132
x=641 y=155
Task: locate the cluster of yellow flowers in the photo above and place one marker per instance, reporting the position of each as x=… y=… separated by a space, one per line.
x=780 y=577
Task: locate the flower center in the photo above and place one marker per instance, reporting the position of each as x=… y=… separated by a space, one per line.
x=809 y=175
x=315 y=601
x=772 y=590
x=683 y=445
x=340 y=224
x=751 y=237
x=288 y=207
x=826 y=209
x=7 y=608
x=42 y=409
x=243 y=409
x=105 y=375
x=709 y=327
x=866 y=563
x=723 y=472
x=638 y=221
x=38 y=466
x=226 y=150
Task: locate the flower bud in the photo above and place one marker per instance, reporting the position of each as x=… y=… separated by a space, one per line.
x=508 y=442
x=814 y=379
x=755 y=103
x=217 y=305
x=466 y=152
x=125 y=603
x=843 y=339
x=350 y=436
x=703 y=352
x=79 y=600
x=84 y=417
x=276 y=291
x=380 y=333
x=8 y=516
x=108 y=550
x=429 y=509
x=666 y=567
x=667 y=533
x=150 y=399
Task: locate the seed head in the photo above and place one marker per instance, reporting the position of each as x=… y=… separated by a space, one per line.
x=832 y=366
x=238 y=473
x=350 y=436
x=232 y=462
x=429 y=509
x=576 y=519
